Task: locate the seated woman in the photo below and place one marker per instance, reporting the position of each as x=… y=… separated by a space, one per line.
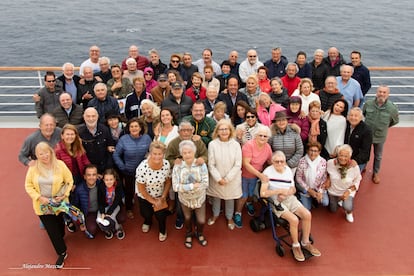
x=296 y=116
x=343 y=182
x=278 y=93
x=281 y=188
x=266 y=109
x=311 y=177
x=219 y=112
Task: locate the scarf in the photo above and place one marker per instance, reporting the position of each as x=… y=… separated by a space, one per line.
x=314 y=130
x=312 y=172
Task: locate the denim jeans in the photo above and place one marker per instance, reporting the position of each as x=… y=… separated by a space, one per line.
x=306 y=200
x=347 y=204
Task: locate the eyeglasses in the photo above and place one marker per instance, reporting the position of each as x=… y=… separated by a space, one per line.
x=313 y=150
x=278 y=161
x=175 y=61
x=186 y=129
x=223 y=129
x=252 y=56
x=50 y=80
x=262 y=136
x=250 y=116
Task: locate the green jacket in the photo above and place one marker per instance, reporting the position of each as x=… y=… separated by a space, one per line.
x=204 y=128
x=380 y=118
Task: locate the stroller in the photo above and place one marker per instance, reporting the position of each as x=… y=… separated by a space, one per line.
x=267 y=219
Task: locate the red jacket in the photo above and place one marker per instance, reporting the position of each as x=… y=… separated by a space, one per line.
x=190 y=93
x=62 y=154
x=290 y=84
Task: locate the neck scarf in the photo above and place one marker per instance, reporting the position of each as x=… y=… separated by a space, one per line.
x=314 y=130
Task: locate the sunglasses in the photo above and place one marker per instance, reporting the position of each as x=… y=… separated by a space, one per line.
x=175 y=61
x=148 y=74
x=252 y=56
x=250 y=117
x=50 y=80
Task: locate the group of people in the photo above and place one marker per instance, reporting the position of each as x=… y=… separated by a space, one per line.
x=167 y=138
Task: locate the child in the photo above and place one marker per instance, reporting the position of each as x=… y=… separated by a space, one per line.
x=110 y=201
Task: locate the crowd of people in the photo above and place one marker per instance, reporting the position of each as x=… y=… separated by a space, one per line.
x=173 y=138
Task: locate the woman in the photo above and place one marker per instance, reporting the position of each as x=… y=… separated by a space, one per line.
x=150 y=114
x=343 y=182
x=239 y=112
x=286 y=139
x=173 y=76
x=150 y=83
x=190 y=181
x=281 y=188
x=129 y=153
x=50 y=180
x=196 y=91
x=311 y=177
x=278 y=93
x=264 y=82
x=266 y=109
x=224 y=166
x=219 y=112
x=318 y=131
x=153 y=183
x=304 y=91
x=248 y=129
x=118 y=87
x=115 y=126
x=166 y=130
x=133 y=101
x=296 y=116
x=319 y=70
x=335 y=120
x=305 y=69
x=255 y=154
x=252 y=90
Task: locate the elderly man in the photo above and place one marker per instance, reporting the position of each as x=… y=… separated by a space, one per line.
x=133 y=52
x=234 y=65
x=97 y=140
x=47 y=132
x=105 y=74
x=290 y=80
x=132 y=72
x=47 y=98
x=277 y=64
x=250 y=65
x=103 y=103
x=68 y=112
x=361 y=72
x=349 y=87
x=334 y=60
x=156 y=63
x=92 y=61
x=233 y=95
x=70 y=81
x=207 y=60
x=188 y=68
x=160 y=92
x=86 y=87
x=203 y=126
x=178 y=101
x=380 y=114
x=329 y=94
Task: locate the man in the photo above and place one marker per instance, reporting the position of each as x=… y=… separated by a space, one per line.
x=97 y=140
x=47 y=98
x=334 y=60
x=103 y=103
x=349 y=87
x=133 y=52
x=233 y=95
x=207 y=60
x=250 y=65
x=132 y=72
x=160 y=92
x=211 y=99
x=380 y=114
x=178 y=101
x=92 y=61
x=277 y=64
x=234 y=65
x=329 y=94
x=105 y=73
x=319 y=70
x=70 y=81
x=86 y=86
x=156 y=63
x=189 y=68
x=203 y=126
x=68 y=112
x=361 y=72
x=47 y=132
x=290 y=80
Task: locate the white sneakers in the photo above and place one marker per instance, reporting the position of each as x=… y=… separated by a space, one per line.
x=145 y=228
x=349 y=217
x=162 y=237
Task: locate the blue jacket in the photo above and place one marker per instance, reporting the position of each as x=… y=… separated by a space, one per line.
x=110 y=104
x=81 y=196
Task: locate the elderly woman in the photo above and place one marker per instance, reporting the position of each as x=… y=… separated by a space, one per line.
x=278 y=93
x=166 y=130
x=150 y=114
x=50 y=180
x=304 y=91
x=190 y=181
x=266 y=109
x=196 y=91
x=224 y=166
x=281 y=188
x=318 y=131
x=153 y=181
x=264 y=82
x=150 y=82
x=311 y=177
x=219 y=112
x=297 y=118
x=252 y=90
x=255 y=154
x=118 y=87
x=286 y=139
x=129 y=153
x=335 y=120
x=247 y=130
x=359 y=136
x=343 y=182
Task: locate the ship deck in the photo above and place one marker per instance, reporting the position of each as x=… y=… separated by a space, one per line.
x=377 y=243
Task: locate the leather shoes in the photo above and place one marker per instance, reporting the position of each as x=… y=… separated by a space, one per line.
x=375 y=178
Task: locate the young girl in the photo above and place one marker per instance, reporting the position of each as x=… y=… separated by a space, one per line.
x=109 y=205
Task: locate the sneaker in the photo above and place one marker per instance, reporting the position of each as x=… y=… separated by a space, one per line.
x=70 y=226
x=120 y=234
x=349 y=217
x=61 y=260
x=162 y=237
x=179 y=224
x=250 y=209
x=238 y=220
x=298 y=254
x=313 y=250
x=145 y=228
x=340 y=203
x=211 y=220
x=109 y=235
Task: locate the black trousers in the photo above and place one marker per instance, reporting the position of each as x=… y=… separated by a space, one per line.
x=129 y=190
x=55 y=228
x=147 y=212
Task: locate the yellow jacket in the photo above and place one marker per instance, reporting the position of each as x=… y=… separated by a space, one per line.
x=33 y=189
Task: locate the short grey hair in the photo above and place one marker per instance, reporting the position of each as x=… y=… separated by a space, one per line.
x=183 y=124
x=280 y=154
x=263 y=128
x=186 y=144
x=104 y=59
x=347 y=148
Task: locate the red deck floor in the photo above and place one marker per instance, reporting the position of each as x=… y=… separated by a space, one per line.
x=379 y=242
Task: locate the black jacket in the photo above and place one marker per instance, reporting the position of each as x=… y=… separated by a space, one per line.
x=360 y=141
